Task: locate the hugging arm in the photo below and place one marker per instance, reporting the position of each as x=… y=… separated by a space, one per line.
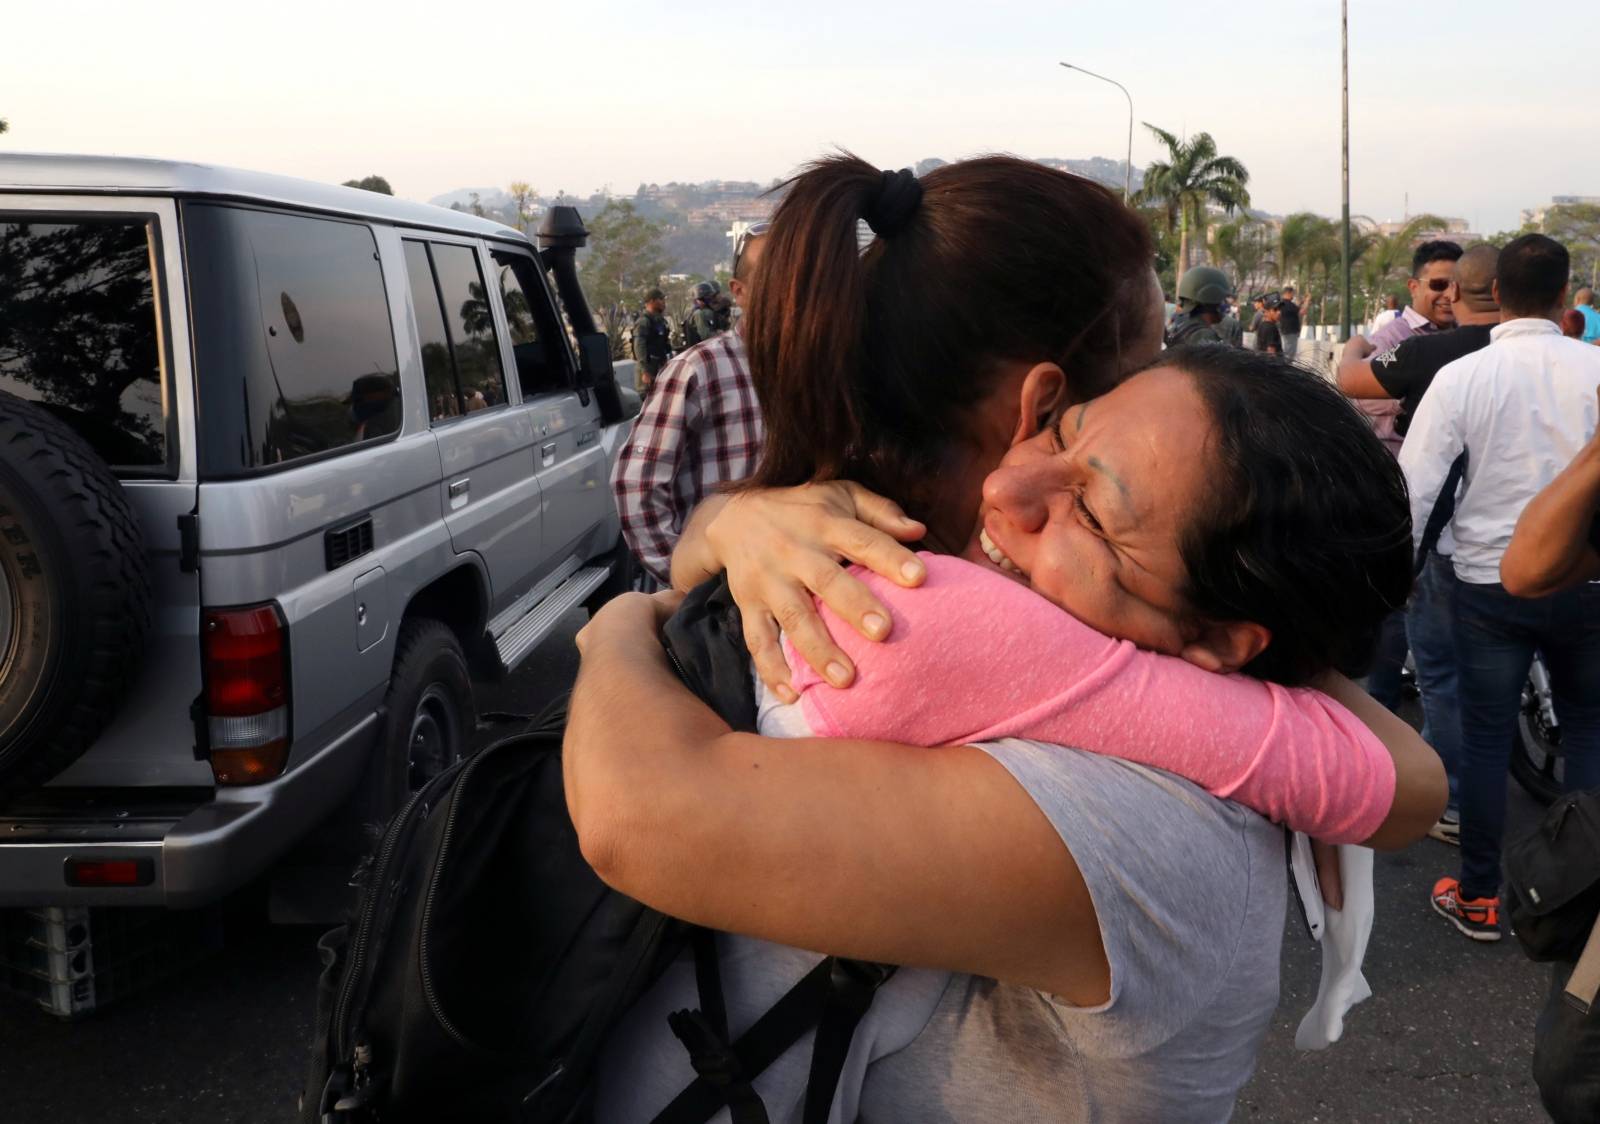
x=1296 y=756
x=782 y=546
x=1355 y=375
x=924 y=857
x=1553 y=546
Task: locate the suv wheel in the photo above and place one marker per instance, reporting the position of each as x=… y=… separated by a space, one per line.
x=74 y=595
x=430 y=714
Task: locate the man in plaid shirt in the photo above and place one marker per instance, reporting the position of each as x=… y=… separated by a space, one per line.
x=700 y=427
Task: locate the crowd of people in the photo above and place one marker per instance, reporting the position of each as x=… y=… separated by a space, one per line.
x=1492 y=400
x=1144 y=565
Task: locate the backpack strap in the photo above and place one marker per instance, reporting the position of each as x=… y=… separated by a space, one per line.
x=1444 y=509
x=852 y=985
x=704 y=1033
x=764 y=1043
x=1584 y=983
x=833 y=997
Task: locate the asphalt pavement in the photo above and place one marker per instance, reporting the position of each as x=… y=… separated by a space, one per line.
x=1447 y=1033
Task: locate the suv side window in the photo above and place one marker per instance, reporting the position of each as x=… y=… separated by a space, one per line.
x=292 y=323
x=536 y=341
x=470 y=324
x=78 y=331
x=438 y=369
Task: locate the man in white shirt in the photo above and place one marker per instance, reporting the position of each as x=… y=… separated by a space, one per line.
x=1506 y=420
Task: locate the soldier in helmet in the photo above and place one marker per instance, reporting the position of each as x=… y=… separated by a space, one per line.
x=1201 y=294
x=652 y=345
x=701 y=322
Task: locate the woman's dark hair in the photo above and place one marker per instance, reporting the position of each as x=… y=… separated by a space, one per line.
x=868 y=365
x=1308 y=526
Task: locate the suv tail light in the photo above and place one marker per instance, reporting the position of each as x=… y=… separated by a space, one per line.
x=247 y=693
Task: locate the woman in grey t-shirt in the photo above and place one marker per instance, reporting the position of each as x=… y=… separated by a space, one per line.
x=1133 y=918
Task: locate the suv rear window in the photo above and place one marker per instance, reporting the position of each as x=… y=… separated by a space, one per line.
x=78 y=330
x=294 y=352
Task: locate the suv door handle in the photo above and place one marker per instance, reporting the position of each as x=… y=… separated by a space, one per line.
x=547 y=454
x=458 y=492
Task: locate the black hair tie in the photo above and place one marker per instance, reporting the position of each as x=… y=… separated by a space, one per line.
x=891 y=207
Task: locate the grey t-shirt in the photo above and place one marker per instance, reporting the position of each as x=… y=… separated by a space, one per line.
x=1190 y=892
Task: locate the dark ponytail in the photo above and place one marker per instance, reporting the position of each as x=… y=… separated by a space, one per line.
x=868 y=365
x=807 y=323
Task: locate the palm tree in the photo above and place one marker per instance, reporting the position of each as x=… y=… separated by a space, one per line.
x=1389 y=257
x=1191 y=178
x=1244 y=246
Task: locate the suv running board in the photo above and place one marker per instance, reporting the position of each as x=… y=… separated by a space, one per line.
x=521 y=638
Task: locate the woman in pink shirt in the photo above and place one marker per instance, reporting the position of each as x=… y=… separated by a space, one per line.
x=1130 y=918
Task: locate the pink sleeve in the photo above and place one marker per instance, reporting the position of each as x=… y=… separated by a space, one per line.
x=975 y=656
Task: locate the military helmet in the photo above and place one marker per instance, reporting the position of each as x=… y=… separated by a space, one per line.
x=704 y=291
x=1204 y=284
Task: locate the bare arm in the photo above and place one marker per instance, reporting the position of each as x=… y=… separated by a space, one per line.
x=930 y=857
x=1550 y=549
x=1420 y=788
x=1355 y=371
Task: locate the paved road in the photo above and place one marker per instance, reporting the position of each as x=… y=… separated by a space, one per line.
x=1447 y=1033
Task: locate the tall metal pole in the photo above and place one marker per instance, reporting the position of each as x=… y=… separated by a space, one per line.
x=1344 y=78
x=1127 y=168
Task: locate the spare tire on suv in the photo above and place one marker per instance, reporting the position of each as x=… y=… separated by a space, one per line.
x=74 y=595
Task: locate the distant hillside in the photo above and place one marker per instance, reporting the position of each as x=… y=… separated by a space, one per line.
x=695 y=217
x=489 y=198
x=1097 y=168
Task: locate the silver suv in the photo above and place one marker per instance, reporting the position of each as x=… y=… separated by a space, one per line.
x=283 y=466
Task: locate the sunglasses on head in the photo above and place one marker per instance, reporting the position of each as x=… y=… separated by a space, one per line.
x=751 y=233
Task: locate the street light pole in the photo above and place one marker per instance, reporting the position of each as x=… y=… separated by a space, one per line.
x=1127 y=168
x=1344 y=79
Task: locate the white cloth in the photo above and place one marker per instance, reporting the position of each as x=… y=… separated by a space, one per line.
x=1344 y=946
x=1520 y=409
x=1381 y=319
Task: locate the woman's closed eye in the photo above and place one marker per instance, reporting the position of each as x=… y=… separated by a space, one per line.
x=1086 y=515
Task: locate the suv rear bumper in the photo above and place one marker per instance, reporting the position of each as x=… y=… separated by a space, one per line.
x=199 y=853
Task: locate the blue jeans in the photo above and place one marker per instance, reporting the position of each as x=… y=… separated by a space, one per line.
x=1290 y=342
x=1430 y=630
x=1383 y=681
x=1496 y=637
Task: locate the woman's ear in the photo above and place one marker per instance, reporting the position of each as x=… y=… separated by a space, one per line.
x=1044 y=394
x=1226 y=646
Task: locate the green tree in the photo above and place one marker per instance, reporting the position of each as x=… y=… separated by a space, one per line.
x=1165 y=236
x=1192 y=178
x=1387 y=260
x=4 y=125
x=522 y=197
x=625 y=256
x=1577 y=227
x=1305 y=241
x=1244 y=246
x=371 y=183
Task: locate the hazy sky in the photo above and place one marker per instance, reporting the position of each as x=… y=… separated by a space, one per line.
x=1473 y=111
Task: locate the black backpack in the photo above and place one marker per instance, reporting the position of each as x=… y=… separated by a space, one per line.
x=1553 y=887
x=1553 y=879
x=486 y=962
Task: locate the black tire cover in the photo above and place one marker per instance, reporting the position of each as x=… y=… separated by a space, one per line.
x=74 y=596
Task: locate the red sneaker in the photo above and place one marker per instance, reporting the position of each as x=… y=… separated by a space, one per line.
x=1478 y=918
